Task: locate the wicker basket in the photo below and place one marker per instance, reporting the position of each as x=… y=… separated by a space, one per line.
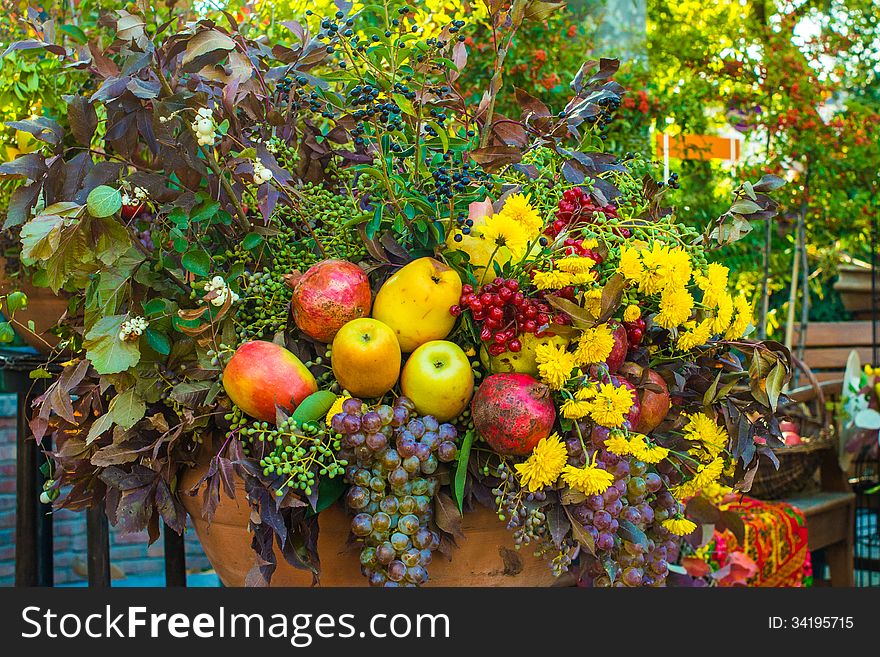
x=798 y=463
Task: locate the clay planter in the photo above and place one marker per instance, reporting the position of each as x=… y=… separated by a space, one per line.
x=854 y=287
x=485 y=557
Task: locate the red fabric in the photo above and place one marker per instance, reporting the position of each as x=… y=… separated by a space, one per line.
x=775 y=540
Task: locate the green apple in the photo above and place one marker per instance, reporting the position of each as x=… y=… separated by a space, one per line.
x=438 y=379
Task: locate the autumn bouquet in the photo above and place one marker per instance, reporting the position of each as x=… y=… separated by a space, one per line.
x=317 y=267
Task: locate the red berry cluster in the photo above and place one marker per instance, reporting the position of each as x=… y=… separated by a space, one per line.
x=505 y=313
x=635 y=331
x=576 y=204
x=573 y=247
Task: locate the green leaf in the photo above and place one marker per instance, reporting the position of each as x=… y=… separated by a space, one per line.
x=464 y=456
x=252 y=241
x=104 y=201
x=197 y=261
x=329 y=490
x=127 y=408
x=76 y=33
x=99 y=426
x=16 y=301
x=7 y=333
x=205 y=211
x=158 y=341
x=106 y=351
x=775 y=381
x=40 y=373
x=112 y=239
x=154 y=307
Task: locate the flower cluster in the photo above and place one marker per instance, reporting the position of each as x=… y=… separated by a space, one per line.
x=132 y=329
x=218 y=291
x=138 y=195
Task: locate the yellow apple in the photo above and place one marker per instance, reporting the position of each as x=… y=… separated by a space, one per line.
x=415 y=302
x=366 y=358
x=522 y=361
x=438 y=379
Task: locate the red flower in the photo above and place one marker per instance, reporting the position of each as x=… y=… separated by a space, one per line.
x=549 y=81
x=572 y=30
x=540 y=56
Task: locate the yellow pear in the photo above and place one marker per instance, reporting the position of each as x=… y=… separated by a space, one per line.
x=415 y=302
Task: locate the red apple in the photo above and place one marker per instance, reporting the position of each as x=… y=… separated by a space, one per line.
x=654 y=405
x=328 y=296
x=262 y=374
x=786 y=425
x=513 y=412
x=791 y=438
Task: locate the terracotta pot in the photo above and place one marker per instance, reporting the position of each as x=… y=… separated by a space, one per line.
x=854 y=287
x=485 y=557
x=44 y=308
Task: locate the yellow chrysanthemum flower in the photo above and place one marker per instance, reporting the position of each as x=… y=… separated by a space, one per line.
x=611 y=404
x=679 y=526
x=695 y=335
x=576 y=264
x=544 y=464
x=589 y=480
x=742 y=320
x=594 y=345
x=593 y=301
x=617 y=443
x=724 y=313
x=630 y=264
x=501 y=230
x=574 y=409
x=653 y=454
x=335 y=408
x=585 y=393
x=632 y=313
x=713 y=283
x=676 y=305
x=552 y=280
x=708 y=474
x=704 y=430
x=657 y=269
x=554 y=364
x=518 y=208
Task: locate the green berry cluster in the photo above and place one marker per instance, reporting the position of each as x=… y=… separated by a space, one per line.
x=296 y=454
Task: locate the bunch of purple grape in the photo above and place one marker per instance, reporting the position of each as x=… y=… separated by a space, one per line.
x=635 y=504
x=393 y=454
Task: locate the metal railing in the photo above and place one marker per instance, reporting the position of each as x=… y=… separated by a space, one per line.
x=33 y=520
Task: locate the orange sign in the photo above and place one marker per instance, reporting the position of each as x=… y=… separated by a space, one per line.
x=698 y=147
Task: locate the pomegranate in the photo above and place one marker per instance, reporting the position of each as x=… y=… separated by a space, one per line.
x=329 y=295
x=513 y=412
x=632 y=418
x=654 y=405
x=618 y=351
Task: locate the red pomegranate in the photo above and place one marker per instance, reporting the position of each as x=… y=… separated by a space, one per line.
x=635 y=411
x=513 y=412
x=618 y=351
x=330 y=294
x=654 y=405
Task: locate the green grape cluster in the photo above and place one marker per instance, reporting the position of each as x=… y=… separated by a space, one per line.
x=296 y=454
x=394 y=454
